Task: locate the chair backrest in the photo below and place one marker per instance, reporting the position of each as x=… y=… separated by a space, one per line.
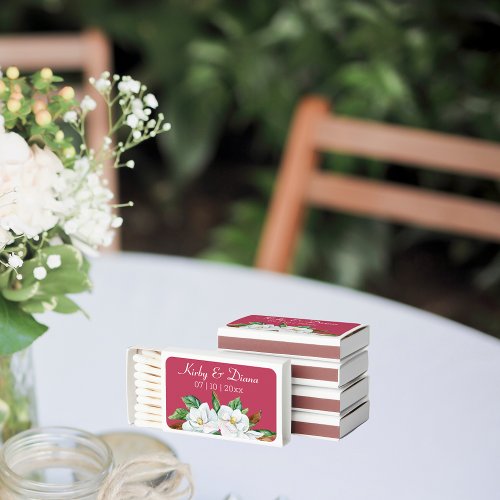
x=88 y=53
x=300 y=182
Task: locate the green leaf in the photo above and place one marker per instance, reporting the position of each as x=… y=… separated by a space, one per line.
x=235 y=404
x=5 y=278
x=65 y=305
x=245 y=411
x=19 y=329
x=191 y=401
x=23 y=293
x=179 y=414
x=215 y=402
x=38 y=306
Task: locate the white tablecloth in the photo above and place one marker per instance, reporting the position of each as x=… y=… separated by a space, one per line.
x=434 y=429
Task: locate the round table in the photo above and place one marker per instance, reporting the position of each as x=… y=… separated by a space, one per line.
x=434 y=427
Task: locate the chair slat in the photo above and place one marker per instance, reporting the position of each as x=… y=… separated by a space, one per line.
x=439 y=211
x=58 y=51
x=408 y=146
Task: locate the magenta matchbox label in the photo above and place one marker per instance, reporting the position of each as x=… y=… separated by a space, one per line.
x=227 y=399
x=293 y=325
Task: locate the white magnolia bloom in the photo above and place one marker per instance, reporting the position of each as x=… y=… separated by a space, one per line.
x=15 y=261
x=88 y=104
x=70 y=117
x=296 y=329
x=102 y=85
x=151 y=101
x=40 y=273
x=54 y=261
x=202 y=419
x=132 y=121
x=234 y=423
x=129 y=86
x=28 y=177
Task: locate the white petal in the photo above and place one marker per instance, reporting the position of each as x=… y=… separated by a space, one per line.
x=225 y=412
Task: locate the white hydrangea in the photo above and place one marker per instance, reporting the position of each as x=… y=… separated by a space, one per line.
x=5 y=238
x=28 y=180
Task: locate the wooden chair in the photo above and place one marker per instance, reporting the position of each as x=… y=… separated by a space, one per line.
x=88 y=53
x=300 y=182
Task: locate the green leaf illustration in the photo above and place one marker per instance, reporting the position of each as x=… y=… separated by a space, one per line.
x=235 y=404
x=179 y=414
x=191 y=402
x=283 y=325
x=266 y=432
x=215 y=402
x=245 y=411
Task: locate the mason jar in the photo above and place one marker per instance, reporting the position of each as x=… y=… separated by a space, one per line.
x=53 y=463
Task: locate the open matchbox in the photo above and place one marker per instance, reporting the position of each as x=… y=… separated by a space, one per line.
x=292 y=337
x=211 y=394
x=329 y=400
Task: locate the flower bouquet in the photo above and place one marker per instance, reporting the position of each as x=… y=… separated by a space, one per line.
x=55 y=205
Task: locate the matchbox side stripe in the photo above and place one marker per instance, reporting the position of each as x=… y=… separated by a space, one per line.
x=273 y=347
x=321 y=430
x=315 y=373
x=321 y=404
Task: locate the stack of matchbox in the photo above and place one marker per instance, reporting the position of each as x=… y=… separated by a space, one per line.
x=329 y=364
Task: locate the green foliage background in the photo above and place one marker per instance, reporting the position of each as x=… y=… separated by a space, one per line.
x=233 y=68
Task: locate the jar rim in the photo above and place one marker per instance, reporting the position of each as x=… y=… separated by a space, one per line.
x=13 y=479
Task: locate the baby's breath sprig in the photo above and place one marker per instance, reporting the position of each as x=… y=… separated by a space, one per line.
x=134 y=108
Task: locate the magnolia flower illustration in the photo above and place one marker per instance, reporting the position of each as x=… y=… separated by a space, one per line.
x=201 y=419
x=234 y=423
x=296 y=329
x=260 y=326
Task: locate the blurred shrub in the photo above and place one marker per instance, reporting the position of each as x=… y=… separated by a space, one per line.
x=224 y=65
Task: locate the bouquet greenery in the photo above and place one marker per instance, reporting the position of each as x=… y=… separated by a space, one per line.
x=55 y=206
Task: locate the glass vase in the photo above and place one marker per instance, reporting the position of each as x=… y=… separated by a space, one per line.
x=17 y=394
x=53 y=463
